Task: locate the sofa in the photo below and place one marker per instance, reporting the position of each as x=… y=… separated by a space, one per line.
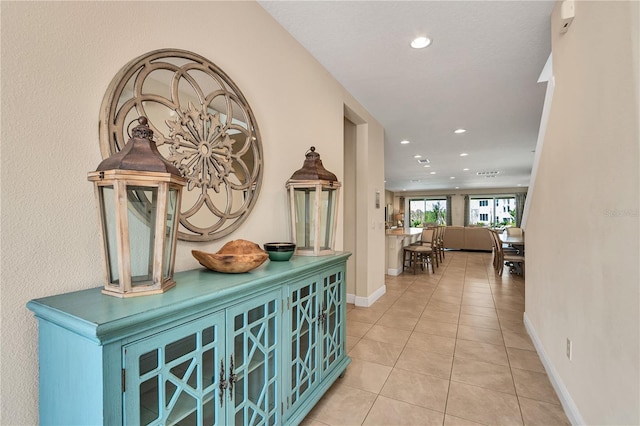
x=467 y=238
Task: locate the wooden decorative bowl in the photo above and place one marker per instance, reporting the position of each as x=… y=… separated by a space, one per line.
x=233 y=258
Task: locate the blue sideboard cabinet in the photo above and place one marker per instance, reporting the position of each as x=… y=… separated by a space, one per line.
x=218 y=349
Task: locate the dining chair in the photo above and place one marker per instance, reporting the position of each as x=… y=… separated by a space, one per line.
x=436 y=242
x=514 y=231
x=515 y=260
x=443 y=229
x=498 y=249
x=503 y=255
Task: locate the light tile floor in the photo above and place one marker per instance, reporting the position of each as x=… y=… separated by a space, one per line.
x=448 y=348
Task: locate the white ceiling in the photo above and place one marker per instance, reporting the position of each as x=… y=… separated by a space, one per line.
x=480 y=73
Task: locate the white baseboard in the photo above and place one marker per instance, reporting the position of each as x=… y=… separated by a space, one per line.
x=394 y=272
x=369 y=300
x=570 y=408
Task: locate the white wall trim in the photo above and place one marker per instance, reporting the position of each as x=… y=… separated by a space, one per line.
x=365 y=302
x=394 y=272
x=545 y=75
x=547 y=70
x=570 y=407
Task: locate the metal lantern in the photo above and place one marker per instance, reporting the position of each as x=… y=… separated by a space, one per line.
x=313 y=194
x=138 y=194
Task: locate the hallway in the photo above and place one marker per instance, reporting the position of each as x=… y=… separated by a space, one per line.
x=446 y=348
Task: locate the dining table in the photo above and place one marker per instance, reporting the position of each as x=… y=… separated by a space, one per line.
x=517 y=242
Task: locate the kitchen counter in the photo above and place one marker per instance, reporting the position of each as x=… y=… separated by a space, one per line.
x=395 y=241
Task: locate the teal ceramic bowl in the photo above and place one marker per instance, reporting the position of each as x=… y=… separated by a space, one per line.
x=280 y=251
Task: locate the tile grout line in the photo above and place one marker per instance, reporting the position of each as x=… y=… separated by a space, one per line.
x=514 y=293
x=515 y=389
x=446 y=402
x=405 y=344
x=396 y=361
x=508 y=293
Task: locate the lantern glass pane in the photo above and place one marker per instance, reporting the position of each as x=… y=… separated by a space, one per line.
x=142 y=205
x=107 y=202
x=305 y=208
x=170 y=230
x=327 y=209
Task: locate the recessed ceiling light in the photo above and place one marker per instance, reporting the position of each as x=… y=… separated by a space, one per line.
x=457 y=187
x=432 y=173
x=417 y=156
x=420 y=42
x=464 y=154
x=427 y=165
x=404 y=142
x=465 y=169
x=458 y=131
x=452 y=177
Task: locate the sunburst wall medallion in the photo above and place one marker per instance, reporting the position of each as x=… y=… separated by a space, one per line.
x=202 y=123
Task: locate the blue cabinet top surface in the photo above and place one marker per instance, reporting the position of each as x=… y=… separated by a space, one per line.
x=102 y=318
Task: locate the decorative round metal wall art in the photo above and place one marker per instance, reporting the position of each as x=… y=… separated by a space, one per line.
x=201 y=123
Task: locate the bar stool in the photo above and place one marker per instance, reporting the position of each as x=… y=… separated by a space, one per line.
x=428 y=238
x=412 y=255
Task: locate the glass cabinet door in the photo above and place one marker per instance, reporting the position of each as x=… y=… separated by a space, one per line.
x=333 y=313
x=253 y=331
x=174 y=377
x=304 y=322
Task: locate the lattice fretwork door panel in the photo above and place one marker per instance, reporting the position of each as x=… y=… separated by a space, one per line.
x=177 y=382
x=304 y=320
x=254 y=333
x=333 y=312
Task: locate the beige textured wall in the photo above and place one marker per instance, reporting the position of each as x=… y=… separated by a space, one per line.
x=350 y=206
x=582 y=235
x=369 y=221
x=57 y=60
x=375 y=216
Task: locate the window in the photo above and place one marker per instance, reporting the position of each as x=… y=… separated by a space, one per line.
x=427 y=210
x=498 y=210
